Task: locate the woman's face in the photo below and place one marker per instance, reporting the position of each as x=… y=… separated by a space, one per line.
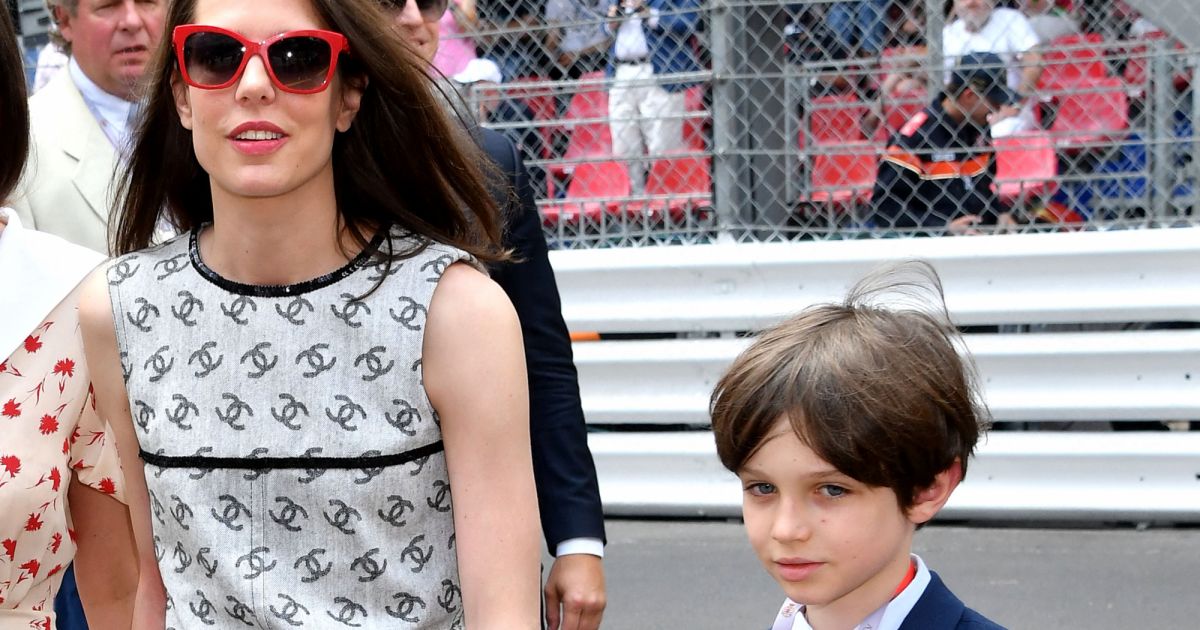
x=254 y=139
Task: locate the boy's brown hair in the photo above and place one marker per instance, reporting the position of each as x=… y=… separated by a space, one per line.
x=879 y=392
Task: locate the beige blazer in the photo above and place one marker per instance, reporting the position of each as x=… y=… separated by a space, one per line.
x=67 y=188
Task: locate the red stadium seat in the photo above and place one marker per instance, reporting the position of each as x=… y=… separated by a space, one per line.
x=844 y=174
x=1073 y=59
x=586 y=121
x=686 y=180
x=595 y=187
x=1097 y=112
x=837 y=119
x=1026 y=166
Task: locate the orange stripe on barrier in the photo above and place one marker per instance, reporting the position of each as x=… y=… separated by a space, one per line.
x=938 y=170
x=585 y=336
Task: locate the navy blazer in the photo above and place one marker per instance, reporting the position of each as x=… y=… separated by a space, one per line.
x=939 y=609
x=670 y=43
x=568 y=493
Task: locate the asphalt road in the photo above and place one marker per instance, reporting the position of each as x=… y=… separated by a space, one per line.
x=683 y=575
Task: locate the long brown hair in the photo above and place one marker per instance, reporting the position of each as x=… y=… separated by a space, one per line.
x=403 y=161
x=14 y=111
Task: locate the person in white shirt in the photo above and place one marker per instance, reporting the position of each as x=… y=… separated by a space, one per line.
x=80 y=121
x=645 y=112
x=981 y=27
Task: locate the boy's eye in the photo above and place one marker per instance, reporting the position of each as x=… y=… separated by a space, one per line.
x=833 y=492
x=760 y=489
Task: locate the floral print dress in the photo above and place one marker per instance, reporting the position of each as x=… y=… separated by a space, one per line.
x=49 y=431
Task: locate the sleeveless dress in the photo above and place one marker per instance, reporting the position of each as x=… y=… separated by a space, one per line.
x=295 y=466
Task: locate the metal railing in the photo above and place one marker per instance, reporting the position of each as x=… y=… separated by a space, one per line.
x=1051 y=339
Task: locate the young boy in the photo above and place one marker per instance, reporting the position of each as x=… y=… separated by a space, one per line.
x=849 y=426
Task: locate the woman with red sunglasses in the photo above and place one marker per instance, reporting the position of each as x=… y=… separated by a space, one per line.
x=311 y=369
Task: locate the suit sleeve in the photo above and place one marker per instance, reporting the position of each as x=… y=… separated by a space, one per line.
x=568 y=492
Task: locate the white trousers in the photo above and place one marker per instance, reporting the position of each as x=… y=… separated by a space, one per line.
x=644 y=119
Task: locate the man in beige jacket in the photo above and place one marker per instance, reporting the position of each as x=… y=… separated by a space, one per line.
x=80 y=121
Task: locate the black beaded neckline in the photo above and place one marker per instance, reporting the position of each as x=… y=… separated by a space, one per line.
x=281 y=290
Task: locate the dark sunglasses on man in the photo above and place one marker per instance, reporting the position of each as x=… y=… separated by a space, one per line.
x=431 y=10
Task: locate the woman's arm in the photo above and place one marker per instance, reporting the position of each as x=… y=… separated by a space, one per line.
x=474 y=372
x=105 y=563
x=464 y=13
x=112 y=403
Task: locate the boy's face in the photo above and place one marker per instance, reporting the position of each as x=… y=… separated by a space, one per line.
x=833 y=543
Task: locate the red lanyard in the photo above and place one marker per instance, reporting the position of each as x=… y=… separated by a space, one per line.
x=908 y=578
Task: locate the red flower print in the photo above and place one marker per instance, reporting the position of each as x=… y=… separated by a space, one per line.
x=55 y=478
x=49 y=424
x=32 y=344
x=33 y=523
x=65 y=367
x=11 y=465
x=10 y=548
x=107 y=486
x=41 y=624
x=55 y=543
x=56 y=569
x=12 y=408
x=32 y=567
x=66 y=445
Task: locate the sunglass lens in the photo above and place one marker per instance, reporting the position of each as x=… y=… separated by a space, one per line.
x=432 y=10
x=212 y=58
x=301 y=63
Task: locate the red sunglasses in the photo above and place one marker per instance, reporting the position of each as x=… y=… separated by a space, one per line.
x=300 y=62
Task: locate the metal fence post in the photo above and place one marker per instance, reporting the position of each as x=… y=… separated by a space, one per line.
x=935 y=21
x=765 y=111
x=728 y=198
x=1163 y=108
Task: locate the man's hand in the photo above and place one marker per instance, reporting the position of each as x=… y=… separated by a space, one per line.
x=576 y=583
x=1005 y=111
x=965 y=225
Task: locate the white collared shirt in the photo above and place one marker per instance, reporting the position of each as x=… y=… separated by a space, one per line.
x=111 y=112
x=886 y=617
x=1007 y=34
x=631 y=42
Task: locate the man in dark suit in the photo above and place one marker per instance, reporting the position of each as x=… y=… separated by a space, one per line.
x=568 y=493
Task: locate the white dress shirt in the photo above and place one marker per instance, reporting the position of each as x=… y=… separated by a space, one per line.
x=112 y=112
x=1007 y=34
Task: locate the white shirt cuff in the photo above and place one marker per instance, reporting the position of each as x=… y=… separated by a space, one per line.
x=590 y=546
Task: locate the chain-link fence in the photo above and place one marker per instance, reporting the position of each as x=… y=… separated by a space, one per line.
x=682 y=121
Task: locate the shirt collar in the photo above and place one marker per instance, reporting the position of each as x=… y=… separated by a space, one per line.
x=887 y=617
x=113 y=109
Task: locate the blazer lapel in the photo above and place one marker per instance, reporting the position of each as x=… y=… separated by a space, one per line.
x=937 y=609
x=84 y=141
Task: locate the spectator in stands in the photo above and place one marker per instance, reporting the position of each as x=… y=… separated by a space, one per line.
x=516 y=40
x=645 y=107
x=1048 y=20
x=81 y=120
x=456 y=47
x=939 y=169
x=981 y=27
x=577 y=36
x=860 y=27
